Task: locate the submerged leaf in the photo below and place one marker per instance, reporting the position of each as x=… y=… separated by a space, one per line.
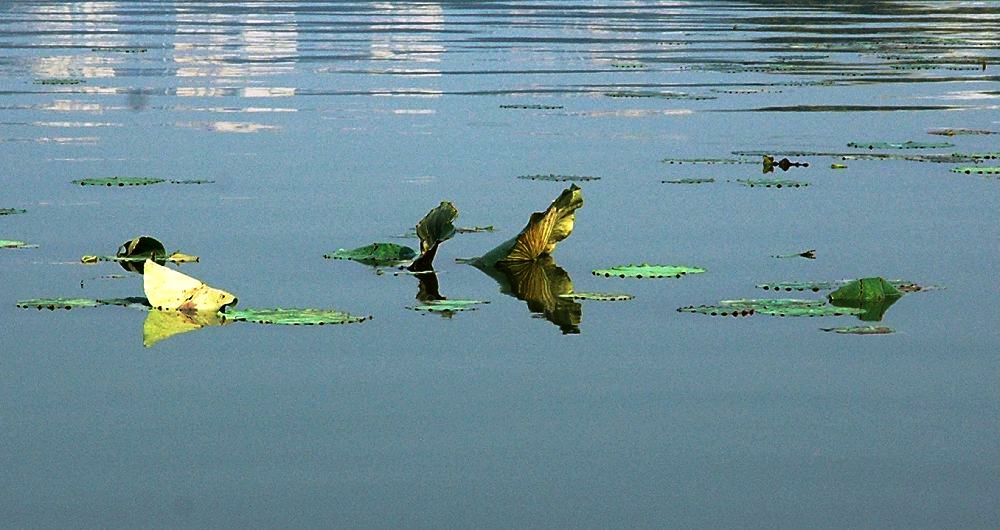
x=118 y=181
x=166 y=288
x=861 y=330
x=293 y=317
x=560 y=178
x=376 y=254
x=57 y=303
x=601 y=297
x=900 y=145
x=772 y=183
x=11 y=211
x=542 y=233
x=13 y=243
x=646 y=270
x=435 y=228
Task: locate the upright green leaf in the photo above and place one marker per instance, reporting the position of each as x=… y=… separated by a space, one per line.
x=435 y=228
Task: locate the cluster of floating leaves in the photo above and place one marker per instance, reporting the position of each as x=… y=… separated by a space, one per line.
x=772 y=183
x=689 y=181
x=293 y=317
x=560 y=178
x=646 y=270
x=901 y=145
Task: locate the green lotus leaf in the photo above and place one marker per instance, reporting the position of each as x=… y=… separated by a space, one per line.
x=657 y=95
x=13 y=243
x=474 y=229
x=772 y=183
x=448 y=306
x=788 y=307
x=59 y=81
x=800 y=286
x=435 y=228
x=560 y=178
x=118 y=181
x=532 y=107
x=905 y=286
x=960 y=132
x=900 y=145
x=161 y=325
x=705 y=161
x=57 y=303
x=717 y=310
x=376 y=254
x=130 y=301
x=977 y=170
x=11 y=211
x=115 y=49
x=601 y=297
x=646 y=270
x=864 y=290
x=808 y=254
x=192 y=181
x=542 y=233
x=629 y=65
x=293 y=317
x=688 y=181
x=860 y=330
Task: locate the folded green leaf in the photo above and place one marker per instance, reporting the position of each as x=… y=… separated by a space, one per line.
x=435 y=228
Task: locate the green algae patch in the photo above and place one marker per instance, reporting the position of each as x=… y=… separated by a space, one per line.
x=688 y=181
x=860 y=330
x=293 y=317
x=57 y=303
x=977 y=170
x=772 y=183
x=598 y=297
x=119 y=182
x=646 y=270
x=13 y=243
x=551 y=177
x=901 y=145
x=375 y=254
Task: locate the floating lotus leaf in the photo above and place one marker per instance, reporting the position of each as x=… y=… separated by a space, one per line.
x=376 y=254
x=435 y=228
x=769 y=164
x=657 y=95
x=960 y=132
x=13 y=243
x=542 y=233
x=474 y=229
x=448 y=306
x=772 y=183
x=688 y=181
x=192 y=181
x=532 y=107
x=900 y=145
x=865 y=290
x=59 y=81
x=130 y=301
x=161 y=325
x=808 y=254
x=176 y=257
x=800 y=286
x=166 y=288
x=717 y=310
x=789 y=307
x=559 y=178
x=646 y=270
x=57 y=303
x=905 y=286
x=118 y=181
x=705 y=161
x=861 y=330
x=293 y=317
x=601 y=297
x=838 y=166
x=628 y=65
x=977 y=170
x=11 y=211
x=115 y=49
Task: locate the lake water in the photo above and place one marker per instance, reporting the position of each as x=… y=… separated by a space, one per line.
x=329 y=125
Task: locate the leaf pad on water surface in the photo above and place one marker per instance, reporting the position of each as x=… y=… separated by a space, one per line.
x=11 y=211
x=13 y=243
x=600 y=297
x=900 y=145
x=717 y=310
x=376 y=254
x=861 y=330
x=646 y=270
x=960 y=132
x=801 y=286
x=192 y=181
x=59 y=81
x=532 y=107
x=293 y=317
x=656 y=95
x=688 y=181
x=560 y=178
x=790 y=307
x=118 y=181
x=977 y=170
x=864 y=290
x=772 y=183
x=706 y=161
x=57 y=303
x=448 y=306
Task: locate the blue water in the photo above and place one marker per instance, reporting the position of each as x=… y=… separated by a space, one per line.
x=330 y=125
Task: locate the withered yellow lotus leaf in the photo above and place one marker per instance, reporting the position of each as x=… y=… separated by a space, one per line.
x=166 y=288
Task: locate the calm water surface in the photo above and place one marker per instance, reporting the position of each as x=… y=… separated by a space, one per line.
x=335 y=124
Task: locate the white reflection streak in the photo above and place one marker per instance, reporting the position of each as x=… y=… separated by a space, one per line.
x=76 y=24
x=406 y=33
